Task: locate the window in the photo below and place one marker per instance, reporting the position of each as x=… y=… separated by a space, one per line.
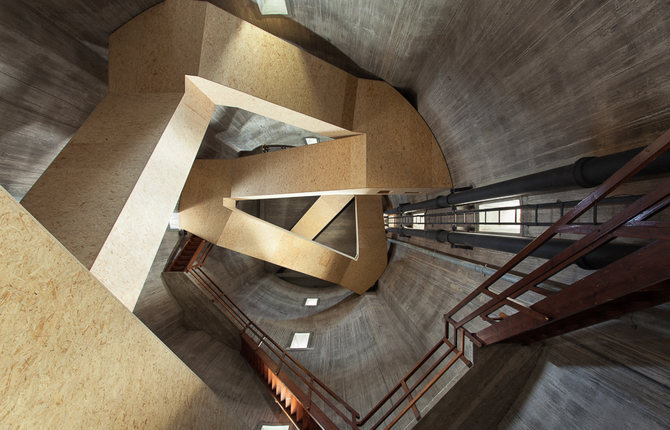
x=300 y=341
x=174 y=221
x=272 y=7
x=418 y=220
x=499 y=220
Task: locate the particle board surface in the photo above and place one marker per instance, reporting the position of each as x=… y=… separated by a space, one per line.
x=319 y=215
x=199 y=51
x=77 y=357
x=203 y=213
x=80 y=196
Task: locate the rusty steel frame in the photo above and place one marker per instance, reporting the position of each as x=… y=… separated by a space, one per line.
x=284 y=358
x=630 y=222
x=248 y=328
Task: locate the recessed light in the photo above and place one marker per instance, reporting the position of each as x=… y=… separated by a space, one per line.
x=311 y=140
x=311 y=302
x=275 y=427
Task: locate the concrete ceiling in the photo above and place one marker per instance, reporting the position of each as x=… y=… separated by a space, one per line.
x=508 y=88
x=233 y=132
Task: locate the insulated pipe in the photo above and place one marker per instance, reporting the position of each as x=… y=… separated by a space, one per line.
x=596 y=259
x=472 y=266
x=585 y=173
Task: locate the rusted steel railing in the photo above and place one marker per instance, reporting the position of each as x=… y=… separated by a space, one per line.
x=630 y=222
x=247 y=326
x=455 y=350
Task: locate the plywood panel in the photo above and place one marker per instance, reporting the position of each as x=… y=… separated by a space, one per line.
x=132 y=154
x=309 y=85
x=79 y=198
x=79 y=359
x=319 y=215
x=307 y=170
x=203 y=213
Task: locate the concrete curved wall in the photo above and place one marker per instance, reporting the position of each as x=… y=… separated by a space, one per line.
x=508 y=88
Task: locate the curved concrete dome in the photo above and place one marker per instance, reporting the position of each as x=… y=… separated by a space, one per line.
x=504 y=89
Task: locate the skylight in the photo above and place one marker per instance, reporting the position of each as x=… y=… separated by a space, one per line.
x=174 y=221
x=300 y=341
x=273 y=7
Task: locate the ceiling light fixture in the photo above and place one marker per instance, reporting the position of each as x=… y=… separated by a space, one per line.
x=311 y=140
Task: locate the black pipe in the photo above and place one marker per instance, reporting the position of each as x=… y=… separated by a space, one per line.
x=586 y=172
x=596 y=259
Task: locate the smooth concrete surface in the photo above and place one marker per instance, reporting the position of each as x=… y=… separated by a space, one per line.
x=156 y=307
x=360 y=349
x=340 y=234
x=220 y=367
x=508 y=88
x=228 y=374
x=74 y=356
x=612 y=375
x=199 y=314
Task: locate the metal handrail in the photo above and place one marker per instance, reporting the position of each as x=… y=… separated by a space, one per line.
x=244 y=323
x=635 y=214
x=437 y=218
x=460 y=355
x=640 y=210
x=283 y=355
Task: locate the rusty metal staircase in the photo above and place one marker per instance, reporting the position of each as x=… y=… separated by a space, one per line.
x=302 y=396
x=189 y=250
x=637 y=281
x=286 y=394
x=634 y=282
